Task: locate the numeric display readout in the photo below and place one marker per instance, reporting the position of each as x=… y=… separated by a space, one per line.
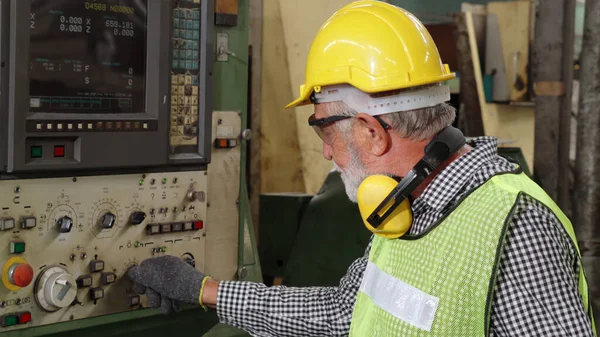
x=88 y=56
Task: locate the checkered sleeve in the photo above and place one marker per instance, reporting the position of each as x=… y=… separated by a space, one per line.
x=287 y=311
x=537 y=289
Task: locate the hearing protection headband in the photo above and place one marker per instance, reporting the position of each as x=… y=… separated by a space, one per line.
x=441 y=147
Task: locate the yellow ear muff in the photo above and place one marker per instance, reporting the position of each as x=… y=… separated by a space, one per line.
x=371 y=192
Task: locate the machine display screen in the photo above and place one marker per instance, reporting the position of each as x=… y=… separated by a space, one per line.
x=88 y=56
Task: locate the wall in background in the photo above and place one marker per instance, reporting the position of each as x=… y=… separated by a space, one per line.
x=291 y=152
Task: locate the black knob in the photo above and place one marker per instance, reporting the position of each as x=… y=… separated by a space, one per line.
x=137 y=218
x=65 y=224
x=108 y=220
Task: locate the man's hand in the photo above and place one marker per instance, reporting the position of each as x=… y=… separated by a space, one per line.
x=167 y=280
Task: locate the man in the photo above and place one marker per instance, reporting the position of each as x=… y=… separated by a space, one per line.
x=486 y=253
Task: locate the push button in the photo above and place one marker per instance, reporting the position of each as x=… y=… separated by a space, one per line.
x=16 y=247
x=15 y=318
x=9 y=320
x=222 y=143
x=152 y=229
x=7 y=224
x=59 y=151
x=96 y=293
x=20 y=274
x=84 y=281
x=24 y=317
x=96 y=265
x=133 y=300
x=28 y=222
x=165 y=228
x=198 y=225
x=108 y=278
x=36 y=151
x=177 y=227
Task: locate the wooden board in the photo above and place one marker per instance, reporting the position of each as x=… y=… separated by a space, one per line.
x=281 y=161
x=300 y=22
x=514 y=25
x=507 y=122
x=469 y=116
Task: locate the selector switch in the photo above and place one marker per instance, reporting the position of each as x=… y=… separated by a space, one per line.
x=108 y=278
x=96 y=266
x=65 y=224
x=108 y=220
x=137 y=218
x=84 y=281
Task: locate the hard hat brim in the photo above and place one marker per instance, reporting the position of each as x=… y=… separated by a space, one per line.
x=303 y=99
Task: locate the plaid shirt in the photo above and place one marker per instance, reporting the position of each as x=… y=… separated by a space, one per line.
x=536 y=293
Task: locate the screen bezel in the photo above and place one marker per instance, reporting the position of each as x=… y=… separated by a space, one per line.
x=151 y=79
x=50 y=43
x=156 y=95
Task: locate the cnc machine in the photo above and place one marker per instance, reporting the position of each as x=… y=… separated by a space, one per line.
x=110 y=154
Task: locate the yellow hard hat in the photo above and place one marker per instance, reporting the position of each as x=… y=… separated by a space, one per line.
x=375 y=47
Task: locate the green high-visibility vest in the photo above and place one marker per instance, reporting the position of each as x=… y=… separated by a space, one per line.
x=441 y=282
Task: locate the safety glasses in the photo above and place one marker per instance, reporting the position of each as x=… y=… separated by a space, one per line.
x=322 y=126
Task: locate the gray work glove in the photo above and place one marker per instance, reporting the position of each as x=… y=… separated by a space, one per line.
x=167 y=280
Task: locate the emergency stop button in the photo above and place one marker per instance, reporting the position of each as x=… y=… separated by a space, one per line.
x=20 y=274
x=17 y=273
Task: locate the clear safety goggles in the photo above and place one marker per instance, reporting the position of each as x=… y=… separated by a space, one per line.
x=325 y=131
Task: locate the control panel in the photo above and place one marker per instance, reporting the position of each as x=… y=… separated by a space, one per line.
x=67 y=243
x=188 y=78
x=109 y=154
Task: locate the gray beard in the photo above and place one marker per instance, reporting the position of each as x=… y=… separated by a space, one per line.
x=353 y=175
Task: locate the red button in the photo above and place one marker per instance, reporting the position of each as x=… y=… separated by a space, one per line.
x=23 y=275
x=198 y=225
x=59 y=151
x=24 y=317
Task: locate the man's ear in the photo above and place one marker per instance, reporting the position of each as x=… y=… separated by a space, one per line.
x=372 y=134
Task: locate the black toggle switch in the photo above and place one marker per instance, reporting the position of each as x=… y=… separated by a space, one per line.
x=137 y=218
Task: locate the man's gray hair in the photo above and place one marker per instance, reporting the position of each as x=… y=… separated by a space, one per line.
x=417 y=125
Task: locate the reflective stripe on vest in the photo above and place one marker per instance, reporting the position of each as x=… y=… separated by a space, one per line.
x=440 y=283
